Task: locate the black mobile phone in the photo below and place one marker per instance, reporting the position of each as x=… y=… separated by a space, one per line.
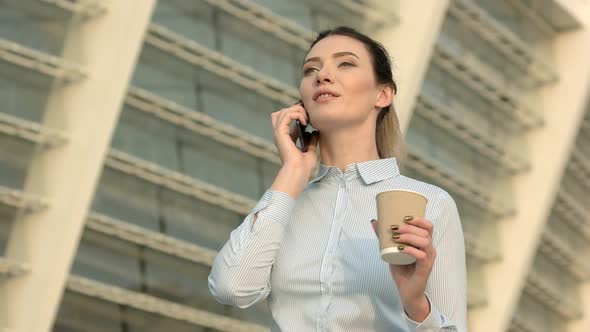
x=303 y=137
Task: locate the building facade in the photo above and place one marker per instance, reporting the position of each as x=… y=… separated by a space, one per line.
x=135 y=136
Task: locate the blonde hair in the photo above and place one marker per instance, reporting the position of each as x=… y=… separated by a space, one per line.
x=388 y=135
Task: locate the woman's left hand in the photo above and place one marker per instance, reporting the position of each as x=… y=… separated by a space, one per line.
x=416 y=236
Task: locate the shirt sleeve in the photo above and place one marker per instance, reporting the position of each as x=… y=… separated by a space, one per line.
x=240 y=275
x=446 y=289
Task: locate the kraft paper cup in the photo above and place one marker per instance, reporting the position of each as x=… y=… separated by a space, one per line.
x=392 y=207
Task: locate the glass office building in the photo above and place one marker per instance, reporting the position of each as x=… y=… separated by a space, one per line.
x=135 y=136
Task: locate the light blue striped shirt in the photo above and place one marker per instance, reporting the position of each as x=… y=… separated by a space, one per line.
x=320 y=257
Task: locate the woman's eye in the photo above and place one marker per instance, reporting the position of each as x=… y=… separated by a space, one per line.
x=308 y=70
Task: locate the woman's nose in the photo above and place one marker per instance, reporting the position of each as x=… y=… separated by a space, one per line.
x=323 y=76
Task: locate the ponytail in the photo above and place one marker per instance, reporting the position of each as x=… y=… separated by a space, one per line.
x=388 y=135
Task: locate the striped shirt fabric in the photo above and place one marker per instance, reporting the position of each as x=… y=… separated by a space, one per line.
x=317 y=258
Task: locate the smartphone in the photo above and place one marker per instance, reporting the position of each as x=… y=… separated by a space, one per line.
x=303 y=139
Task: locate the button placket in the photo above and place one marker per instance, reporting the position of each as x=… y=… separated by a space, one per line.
x=328 y=259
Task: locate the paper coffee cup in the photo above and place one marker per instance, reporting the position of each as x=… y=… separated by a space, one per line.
x=392 y=207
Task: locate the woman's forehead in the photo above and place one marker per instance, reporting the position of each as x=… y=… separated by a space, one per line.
x=337 y=44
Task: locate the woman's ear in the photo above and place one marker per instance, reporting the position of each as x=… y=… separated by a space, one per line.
x=385 y=96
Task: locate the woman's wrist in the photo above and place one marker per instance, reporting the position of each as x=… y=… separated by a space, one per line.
x=419 y=309
x=291 y=179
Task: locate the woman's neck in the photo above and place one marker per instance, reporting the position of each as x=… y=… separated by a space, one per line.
x=347 y=147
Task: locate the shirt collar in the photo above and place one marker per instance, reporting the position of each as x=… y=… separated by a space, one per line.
x=370 y=171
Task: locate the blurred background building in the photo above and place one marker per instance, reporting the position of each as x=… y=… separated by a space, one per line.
x=135 y=135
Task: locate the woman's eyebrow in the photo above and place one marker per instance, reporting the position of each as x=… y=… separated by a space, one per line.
x=335 y=55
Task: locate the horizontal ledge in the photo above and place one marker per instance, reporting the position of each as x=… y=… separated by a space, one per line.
x=503 y=40
x=533 y=16
x=544 y=292
x=580 y=163
x=464 y=69
x=40 y=62
x=31 y=131
x=373 y=15
x=202 y=124
x=293 y=33
x=178 y=182
x=153 y=240
x=158 y=306
x=85 y=8
x=558 y=253
x=573 y=213
x=267 y=21
x=444 y=117
x=21 y=200
x=192 y=52
x=462 y=187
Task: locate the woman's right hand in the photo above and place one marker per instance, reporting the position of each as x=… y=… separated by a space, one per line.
x=286 y=136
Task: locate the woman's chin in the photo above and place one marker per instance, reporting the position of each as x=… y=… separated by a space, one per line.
x=328 y=125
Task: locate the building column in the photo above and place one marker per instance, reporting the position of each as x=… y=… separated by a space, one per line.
x=582 y=324
x=411 y=44
x=549 y=149
x=107 y=48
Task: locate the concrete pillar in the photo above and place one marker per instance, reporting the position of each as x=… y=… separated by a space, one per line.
x=107 y=47
x=582 y=13
x=582 y=324
x=549 y=149
x=410 y=44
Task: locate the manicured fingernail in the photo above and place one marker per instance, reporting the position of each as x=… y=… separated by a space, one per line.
x=408 y=218
x=372 y=220
x=394 y=227
x=395 y=236
x=401 y=247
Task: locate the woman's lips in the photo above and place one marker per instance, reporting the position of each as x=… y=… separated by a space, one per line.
x=325 y=98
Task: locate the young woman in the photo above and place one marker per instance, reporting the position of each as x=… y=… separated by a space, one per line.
x=309 y=246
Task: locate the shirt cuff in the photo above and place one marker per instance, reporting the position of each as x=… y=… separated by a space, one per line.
x=432 y=323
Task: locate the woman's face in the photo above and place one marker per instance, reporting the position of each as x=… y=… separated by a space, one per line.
x=338 y=85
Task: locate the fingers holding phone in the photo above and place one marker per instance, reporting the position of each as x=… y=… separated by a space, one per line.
x=281 y=121
x=301 y=131
x=297 y=166
x=286 y=138
x=306 y=138
x=301 y=135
